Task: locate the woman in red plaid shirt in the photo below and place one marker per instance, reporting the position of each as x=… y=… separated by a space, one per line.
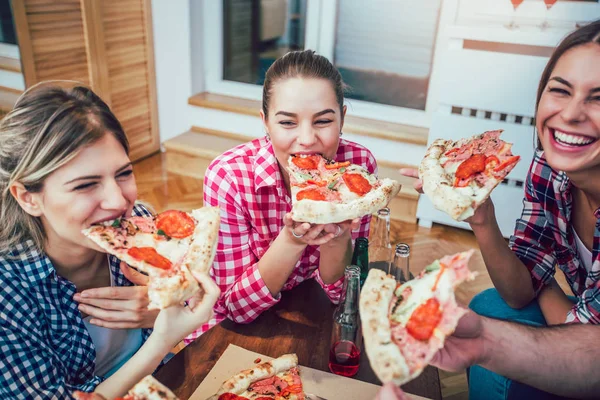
x=560 y=222
x=261 y=251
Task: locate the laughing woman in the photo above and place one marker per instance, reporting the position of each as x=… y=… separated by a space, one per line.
x=560 y=222
x=70 y=317
x=261 y=251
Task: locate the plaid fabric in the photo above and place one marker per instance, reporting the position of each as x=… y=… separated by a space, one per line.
x=544 y=238
x=46 y=351
x=245 y=182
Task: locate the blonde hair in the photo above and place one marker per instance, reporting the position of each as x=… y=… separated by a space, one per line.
x=46 y=129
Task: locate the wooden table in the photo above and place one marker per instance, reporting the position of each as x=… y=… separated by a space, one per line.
x=300 y=323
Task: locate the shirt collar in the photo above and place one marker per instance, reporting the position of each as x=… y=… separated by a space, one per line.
x=35 y=266
x=266 y=168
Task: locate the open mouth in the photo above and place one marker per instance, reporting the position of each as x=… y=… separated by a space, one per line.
x=306 y=154
x=569 y=139
x=111 y=218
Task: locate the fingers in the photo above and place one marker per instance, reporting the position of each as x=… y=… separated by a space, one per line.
x=114 y=293
x=115 y=305
x=109 y=315
x=469 y=325
x=410 y=172
x=389 y=391
x=210 y=295
x=134 y=276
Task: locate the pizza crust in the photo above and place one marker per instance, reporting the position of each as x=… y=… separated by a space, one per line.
x=439 y=188
x=385 y=357
x=239 y=383
x=325 y=212
x=151 y=389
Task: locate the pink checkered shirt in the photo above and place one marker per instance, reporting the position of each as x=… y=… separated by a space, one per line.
x=245 y=182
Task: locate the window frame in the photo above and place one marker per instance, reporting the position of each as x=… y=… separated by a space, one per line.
x=320 y=35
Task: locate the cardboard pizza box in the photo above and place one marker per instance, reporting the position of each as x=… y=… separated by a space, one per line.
x=323 y=384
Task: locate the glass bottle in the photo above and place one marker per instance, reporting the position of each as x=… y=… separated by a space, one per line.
x=400 y=267
x=360 y=257
x=344 y=353
x=380 y=248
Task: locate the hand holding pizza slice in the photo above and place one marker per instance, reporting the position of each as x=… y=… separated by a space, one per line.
x=460 y=176
x=326 y=192
x=405 y=325
x=166 y=247
x=146 y=389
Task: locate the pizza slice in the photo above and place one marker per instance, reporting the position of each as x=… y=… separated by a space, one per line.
x=405 y=325
x=166 y=247
x=459 y=176
x=276 y=379
x=325 y=191
x=146 y=389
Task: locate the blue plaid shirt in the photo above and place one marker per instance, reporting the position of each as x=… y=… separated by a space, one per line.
x=45 y=349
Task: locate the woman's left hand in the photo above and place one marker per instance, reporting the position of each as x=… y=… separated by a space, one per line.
x=119 y=307
x=319 y=234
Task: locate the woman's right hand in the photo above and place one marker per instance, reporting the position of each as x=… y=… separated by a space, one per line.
x=176 y=322
x=483 y=215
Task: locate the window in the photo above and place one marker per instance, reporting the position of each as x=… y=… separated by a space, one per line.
x=384 y=49
x=256 y=32
x=7 y=28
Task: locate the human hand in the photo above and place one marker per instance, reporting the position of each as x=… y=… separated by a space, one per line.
x=465 y=347
x=413 y=173
x=316 y=234
x=484 y=214
x=176 y=322
x=119 y=307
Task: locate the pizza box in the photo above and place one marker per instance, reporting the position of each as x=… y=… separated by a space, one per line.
x=323 y=384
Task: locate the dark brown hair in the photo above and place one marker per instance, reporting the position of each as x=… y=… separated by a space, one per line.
x=46 y=129
x=302 y=64
x=589 y=33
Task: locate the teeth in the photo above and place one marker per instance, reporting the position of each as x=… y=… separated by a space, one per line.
x=571 y=139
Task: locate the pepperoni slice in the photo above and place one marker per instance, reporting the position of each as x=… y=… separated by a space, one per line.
x=310 y=162
x=176 y=224
x=310 y=194
x=424 y=319
x=506 y=163
x=357 y=184
x=149 y=255
x=231 y=396
x=471 y=166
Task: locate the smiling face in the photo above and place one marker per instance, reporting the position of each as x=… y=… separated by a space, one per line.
x=568 y=115
x=304 y=118
x=97 y=185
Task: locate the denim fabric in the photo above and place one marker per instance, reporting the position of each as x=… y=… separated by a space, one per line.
x=485 y=384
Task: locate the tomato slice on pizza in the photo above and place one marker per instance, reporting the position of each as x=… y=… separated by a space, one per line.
x=405 y=325
x=276 y=379
x=325 y=191
x=459 y=176
x=166 y=247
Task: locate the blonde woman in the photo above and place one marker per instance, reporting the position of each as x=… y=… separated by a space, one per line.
x=71 y=317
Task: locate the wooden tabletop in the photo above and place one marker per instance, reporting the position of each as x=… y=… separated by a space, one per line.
x=300 y=323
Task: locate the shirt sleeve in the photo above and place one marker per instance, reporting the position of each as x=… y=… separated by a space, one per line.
x=533 y=239
x=244 y=295
x=587 y=309
x=28 y=368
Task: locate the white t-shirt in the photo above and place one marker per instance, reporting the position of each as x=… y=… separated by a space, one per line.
x=584 y=254
x=113 y=346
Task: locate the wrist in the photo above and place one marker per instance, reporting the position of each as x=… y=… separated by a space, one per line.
x=160 y=344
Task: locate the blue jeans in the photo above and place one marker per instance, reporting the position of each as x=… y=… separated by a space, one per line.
x=485 y=384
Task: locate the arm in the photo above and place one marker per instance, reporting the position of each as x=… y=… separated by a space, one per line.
x=554 y=303
x=563 y=360
x=509 y=275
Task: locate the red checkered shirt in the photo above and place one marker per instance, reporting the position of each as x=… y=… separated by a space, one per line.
x=246 y=183
x=544 y=238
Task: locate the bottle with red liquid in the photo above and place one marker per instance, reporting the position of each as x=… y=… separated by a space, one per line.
x=346 y=337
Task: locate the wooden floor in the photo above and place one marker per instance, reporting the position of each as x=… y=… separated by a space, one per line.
x=165 y=190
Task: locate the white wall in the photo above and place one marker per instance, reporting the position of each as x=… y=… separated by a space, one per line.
x=173 y=61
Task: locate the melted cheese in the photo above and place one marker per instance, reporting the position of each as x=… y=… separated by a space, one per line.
x=174 y=249
x=421 y=292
